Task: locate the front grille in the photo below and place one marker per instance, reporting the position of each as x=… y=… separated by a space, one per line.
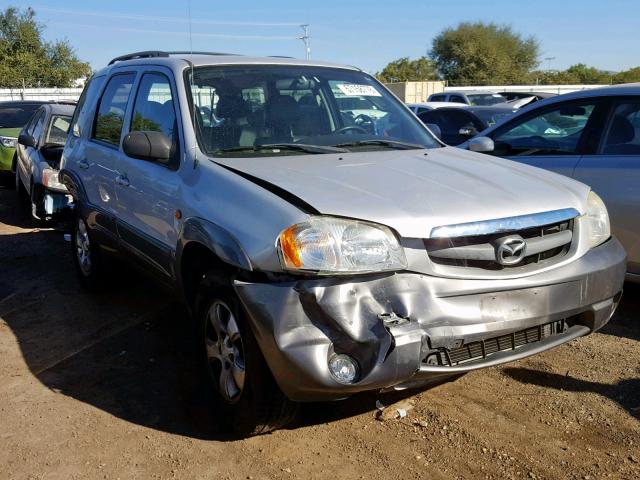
x=479 y=251
x=483 y=349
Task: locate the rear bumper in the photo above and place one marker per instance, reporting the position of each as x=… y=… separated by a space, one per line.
x=391 y=324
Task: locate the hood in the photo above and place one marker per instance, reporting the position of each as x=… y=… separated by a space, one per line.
x=413 y=191
x=10 y=132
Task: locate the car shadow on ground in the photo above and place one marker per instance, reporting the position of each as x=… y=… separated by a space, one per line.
x=625 y=393
x=626 y=322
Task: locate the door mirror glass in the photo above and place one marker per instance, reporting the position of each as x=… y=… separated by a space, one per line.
x=481 y=144
x=26 y=140
x=148 y=145
x=435 y=129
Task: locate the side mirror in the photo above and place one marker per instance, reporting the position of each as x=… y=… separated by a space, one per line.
x=468 y=131
x=27 y=140
x=481 y=144
x=435 y=129
x=152 y=146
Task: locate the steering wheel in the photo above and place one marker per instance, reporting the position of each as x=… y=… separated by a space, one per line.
x=348 y=128
x=366 y=122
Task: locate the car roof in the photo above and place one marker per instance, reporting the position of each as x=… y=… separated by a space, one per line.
x=434 y=105
x=183 y=59
x=471 y=92
x=17 y=103
x=62 y=108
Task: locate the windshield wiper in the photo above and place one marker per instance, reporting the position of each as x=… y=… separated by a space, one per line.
x=383 y=143
x=300 y=147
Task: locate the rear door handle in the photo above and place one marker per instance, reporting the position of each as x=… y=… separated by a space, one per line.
x=122 y=180
x=83 y=164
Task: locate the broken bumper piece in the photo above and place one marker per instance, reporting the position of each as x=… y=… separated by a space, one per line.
x=408 y=329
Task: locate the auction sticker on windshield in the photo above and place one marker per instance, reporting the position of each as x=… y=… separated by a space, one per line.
x=353 y=90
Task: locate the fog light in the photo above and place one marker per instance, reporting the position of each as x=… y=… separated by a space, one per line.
x=343 y=368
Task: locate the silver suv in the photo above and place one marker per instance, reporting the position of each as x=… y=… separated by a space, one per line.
x=323 y=240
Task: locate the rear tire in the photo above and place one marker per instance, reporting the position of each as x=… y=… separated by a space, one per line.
x=245 y=396
x=87 y=257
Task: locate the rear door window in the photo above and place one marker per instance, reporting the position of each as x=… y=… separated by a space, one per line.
x=111 y=110
x=437 y=98
x=457 y=99
x=623 y=132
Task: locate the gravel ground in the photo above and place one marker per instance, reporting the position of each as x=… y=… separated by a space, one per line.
x=102 y=386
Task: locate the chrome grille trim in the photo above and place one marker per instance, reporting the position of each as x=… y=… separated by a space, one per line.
x=487 y=251
x=507 y=224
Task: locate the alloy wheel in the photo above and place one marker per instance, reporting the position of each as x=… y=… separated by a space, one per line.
x=225 y=353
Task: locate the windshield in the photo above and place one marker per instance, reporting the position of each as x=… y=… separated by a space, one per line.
x=245 y=110
x=16 y=116
x=485 y=98
x=58 y=129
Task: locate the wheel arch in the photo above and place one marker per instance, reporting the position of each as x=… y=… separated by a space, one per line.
x=204 y=246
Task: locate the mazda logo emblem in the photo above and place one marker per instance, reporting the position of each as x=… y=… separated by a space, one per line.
x=510 y=250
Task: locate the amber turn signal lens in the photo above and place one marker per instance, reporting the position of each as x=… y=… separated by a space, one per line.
x=289 y=247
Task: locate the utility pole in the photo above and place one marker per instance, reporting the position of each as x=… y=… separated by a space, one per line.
x=306 y=39
x=548 y=59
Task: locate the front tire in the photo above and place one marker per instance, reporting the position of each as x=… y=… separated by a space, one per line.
x=246 y=398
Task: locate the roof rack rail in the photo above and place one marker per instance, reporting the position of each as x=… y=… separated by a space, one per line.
x=188 y=52
x=280 y=56
x=145 y=54
x=160 y=53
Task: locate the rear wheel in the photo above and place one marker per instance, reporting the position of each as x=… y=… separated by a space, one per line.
x=87 y=256
x=246 y=398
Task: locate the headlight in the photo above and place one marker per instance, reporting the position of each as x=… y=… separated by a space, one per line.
x=50 y=179
x=336 y=245
x=8 y=142
x=597 y=218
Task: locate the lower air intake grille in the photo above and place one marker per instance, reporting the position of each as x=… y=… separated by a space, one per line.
x=485 y=348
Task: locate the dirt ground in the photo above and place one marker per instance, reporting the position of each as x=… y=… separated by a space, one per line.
x=102 y=386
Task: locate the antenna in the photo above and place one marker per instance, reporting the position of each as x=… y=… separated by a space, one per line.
x=193 y=101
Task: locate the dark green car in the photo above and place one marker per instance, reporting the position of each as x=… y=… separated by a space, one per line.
x=13 y=116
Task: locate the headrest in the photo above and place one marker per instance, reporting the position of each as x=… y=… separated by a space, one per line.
x=231 y=106
x=622 y=131
x=282 y=109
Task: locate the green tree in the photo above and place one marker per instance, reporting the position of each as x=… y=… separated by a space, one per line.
x=406 y=70
x=483 y=54
x=627 y=76
x=26 y=59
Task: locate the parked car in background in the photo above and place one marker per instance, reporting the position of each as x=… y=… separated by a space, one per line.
x=519 y=95
x=13 y=116
x=418 y=108
x=592 y=136
x=458 y=124
x=468 y=97
x=318 y=256
x=39 y=150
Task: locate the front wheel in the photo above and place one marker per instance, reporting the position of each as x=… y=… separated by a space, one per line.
x=246 y=397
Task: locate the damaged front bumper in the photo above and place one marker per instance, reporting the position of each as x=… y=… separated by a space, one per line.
x=408 y=329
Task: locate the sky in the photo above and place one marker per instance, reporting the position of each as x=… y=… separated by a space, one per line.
x=368 y=34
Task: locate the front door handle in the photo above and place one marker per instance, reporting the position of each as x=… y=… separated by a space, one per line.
x=122 y=180
x=83 y=164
